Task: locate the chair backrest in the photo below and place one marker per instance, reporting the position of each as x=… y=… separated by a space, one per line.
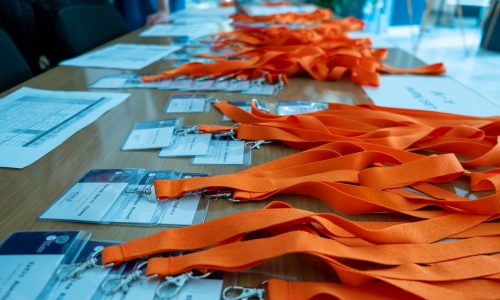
x=84 y=27
x=13 y=67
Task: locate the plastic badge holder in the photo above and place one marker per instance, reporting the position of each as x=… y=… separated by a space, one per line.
x=152 y=134
x=187 y=103
x=285 y=108
x=122 y=196
x=30 y=261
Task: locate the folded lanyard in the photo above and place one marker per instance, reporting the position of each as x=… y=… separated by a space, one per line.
x=328 y=36
x=280 y=215
x=411 y=264
x=284 y=61
x=277 y=289
x=401 y=261
x=378 y=189
x=396 y=128
x=227 y=251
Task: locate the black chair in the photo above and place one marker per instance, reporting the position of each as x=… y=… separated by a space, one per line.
x=13 y=67
x=84 y=27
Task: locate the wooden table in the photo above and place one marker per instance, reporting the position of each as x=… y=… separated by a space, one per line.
x=28 y=192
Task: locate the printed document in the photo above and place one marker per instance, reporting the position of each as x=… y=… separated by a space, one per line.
x=191 y=30
x=122 y=56
x=442 y=94
x=33 y=122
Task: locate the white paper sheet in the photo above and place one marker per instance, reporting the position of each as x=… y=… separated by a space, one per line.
x=122 y=56
x=33 y=122
x=377 y=41
x=259 y=10
x=430 y=93
x=191 y=30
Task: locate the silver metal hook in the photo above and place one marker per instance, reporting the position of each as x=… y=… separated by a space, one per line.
x=177 y=282
x=256 y=144
x=221 y=195
x=150 y=194
x=66 y=272
x=125 y=281
x=188 y=130
x=260 y=106
x=242 y=293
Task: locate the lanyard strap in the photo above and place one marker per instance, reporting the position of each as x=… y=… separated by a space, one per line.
x=401 y=129
x=457 y=260
x=280 y=215
x=461 y=289
x=374 y=195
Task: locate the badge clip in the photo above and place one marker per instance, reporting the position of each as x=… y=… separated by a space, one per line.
x=242 y=293
x=109 y=286
x=177 y=283
x=67 y=272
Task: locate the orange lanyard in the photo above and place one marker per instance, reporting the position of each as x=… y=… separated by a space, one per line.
x=285 y=61
x=400 y=265
x=378 y=189
x=287 y=290
x=473 y=137
x=279 y=217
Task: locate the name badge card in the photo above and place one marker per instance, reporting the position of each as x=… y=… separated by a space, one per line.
x=152 y=134
x=188 y=145
x=431 y=93
x=30 y=260
x=124 y=196
x=90 y=199
x=285 y=108
x=187 y=103
x=225 y=152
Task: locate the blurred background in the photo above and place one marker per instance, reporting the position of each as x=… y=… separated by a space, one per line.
x=464 y=34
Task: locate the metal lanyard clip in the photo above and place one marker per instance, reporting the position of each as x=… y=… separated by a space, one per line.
x=188 y=130
x=242 y=293
x=109 y=286
x=221 y=195
x=172 y=285
x=256 y=144
x=67 y=272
